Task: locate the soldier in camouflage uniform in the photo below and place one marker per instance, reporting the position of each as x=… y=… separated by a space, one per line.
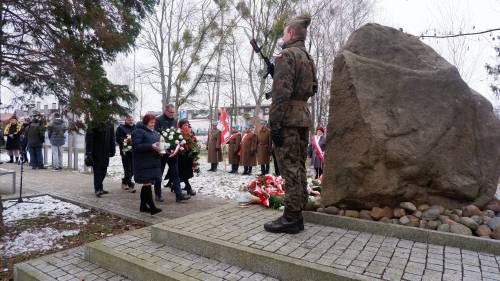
x=294 y=83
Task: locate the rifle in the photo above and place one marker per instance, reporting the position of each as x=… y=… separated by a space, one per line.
x=269 y=64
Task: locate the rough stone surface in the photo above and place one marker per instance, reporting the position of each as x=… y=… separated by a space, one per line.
x=494 y=222
x=423 y=207
x=460 y=229
x=470 y=210
x=431 y=214
x=365 y=214
x=444 y=227
x=483 y=230
x=332 y=210
x=351 y=213
x=408 y=206
x=399 y=212
x=378 y=213
x=470 y=223
x=381 y=149
x=433 y=225
x=496 y=233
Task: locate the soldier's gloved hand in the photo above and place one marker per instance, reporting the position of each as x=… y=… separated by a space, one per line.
x=277 y=136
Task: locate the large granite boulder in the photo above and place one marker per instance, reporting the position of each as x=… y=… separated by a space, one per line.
x=404 y=126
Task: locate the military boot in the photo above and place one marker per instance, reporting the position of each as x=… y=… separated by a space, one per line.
x=283 y=225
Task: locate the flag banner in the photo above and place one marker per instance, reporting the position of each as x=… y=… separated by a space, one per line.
x=226 y=131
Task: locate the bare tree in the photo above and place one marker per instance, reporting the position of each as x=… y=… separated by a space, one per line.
x=177 y=35
x=263 y=20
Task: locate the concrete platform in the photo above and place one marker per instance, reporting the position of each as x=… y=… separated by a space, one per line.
x=320 y=252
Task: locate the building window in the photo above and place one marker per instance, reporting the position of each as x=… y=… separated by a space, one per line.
x=38 y=105
x=54 y=105
x=46 y=107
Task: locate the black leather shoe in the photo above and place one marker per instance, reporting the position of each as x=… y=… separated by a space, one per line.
x=282 y=225
x=182 y=198
x=105 y=192
x=98 y=194
x=145 y=209
x=155 y=211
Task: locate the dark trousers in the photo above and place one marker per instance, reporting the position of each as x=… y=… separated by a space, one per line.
x=128 y=169
x=234 y=168
x=247 y=170
x=319 y=172
x=173 y=169
x=36 y=157
x=99 y=175
x=264 y=169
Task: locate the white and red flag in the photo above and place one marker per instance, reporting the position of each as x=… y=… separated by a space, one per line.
x=226 y=131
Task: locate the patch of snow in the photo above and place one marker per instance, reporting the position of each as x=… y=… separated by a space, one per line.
x=47 y=206
x=32 y=240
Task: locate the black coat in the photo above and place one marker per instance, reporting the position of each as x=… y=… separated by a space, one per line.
x=185 y=167
x=15 y=131
x=35 y=134
x=121 y=134
x=147 y=163
x=100 y=144
x=163 y=123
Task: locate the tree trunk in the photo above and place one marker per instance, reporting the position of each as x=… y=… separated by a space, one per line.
x=165 y=96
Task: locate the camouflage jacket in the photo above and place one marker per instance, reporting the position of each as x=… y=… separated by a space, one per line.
x=294 y=82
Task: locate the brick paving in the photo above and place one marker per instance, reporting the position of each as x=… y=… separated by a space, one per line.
x=139 y=245
x=70 y=265
x=78 y=187
x=374 y=256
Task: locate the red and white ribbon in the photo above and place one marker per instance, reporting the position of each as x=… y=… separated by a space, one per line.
x=318 y=149
x=177 y=149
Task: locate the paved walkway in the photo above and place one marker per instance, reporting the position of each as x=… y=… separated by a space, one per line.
x=375 y=256
x=75 y=186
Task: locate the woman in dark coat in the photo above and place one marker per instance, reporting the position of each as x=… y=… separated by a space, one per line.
x=147 y=160
x=317 y=147
x=186 y=161
x=12 y=132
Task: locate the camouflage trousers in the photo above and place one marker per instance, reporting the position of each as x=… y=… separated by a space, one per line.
x=292 y=165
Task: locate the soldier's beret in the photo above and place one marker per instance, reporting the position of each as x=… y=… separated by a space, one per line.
x=304 y=21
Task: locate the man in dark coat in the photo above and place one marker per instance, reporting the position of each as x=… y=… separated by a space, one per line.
x=124 y=135
x=163 y=122
x=35 y=137
x=99 y=147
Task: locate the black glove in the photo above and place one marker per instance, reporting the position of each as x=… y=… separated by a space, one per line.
x=277 y=136
x=89 y=162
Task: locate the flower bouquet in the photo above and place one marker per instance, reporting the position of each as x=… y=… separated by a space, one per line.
x=172 y=141
x=269 y=189
x=127 y=144
x=192 y=148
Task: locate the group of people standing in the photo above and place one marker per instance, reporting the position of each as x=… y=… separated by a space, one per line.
x=29 y=136
x=143 y=159
x=247 y=149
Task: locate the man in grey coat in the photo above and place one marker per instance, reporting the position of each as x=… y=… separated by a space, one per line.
x=56 y=130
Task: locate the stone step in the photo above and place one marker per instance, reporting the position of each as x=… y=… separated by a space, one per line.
x=236 y=235
x=134 y=255
x=68 y=265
